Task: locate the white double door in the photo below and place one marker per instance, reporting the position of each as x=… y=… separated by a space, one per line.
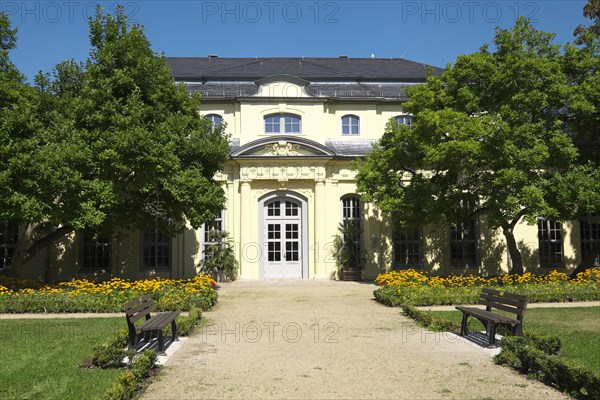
x=282 y=238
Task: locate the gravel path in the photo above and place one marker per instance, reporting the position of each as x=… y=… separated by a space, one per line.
x=328 y=340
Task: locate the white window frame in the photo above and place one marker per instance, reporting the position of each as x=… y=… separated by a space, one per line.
x=403 y=119
x=207 y=228
x=545 y=229
x=281 y=123
x=349 y=122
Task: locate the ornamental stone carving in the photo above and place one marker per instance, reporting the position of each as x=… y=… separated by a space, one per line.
x=282 y=149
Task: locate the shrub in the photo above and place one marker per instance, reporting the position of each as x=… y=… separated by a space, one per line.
x=143 y=363
x=108 y=296
x=124 y=387
x=523 y=354
x=412 y=287
x=111 y=353
x=430 y=320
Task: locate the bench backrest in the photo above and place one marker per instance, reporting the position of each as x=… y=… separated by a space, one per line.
x=510 y=302
x=139 y=308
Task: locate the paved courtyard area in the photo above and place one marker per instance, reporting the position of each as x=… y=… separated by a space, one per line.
x=328 y=340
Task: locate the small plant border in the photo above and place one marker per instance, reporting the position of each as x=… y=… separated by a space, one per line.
x=112 y=352
x=535 y=354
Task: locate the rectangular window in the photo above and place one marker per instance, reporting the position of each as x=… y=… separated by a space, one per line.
x=350 y=125
x=272 y=124
x=95 y=252
x=590 y=235
x=407 y=248
x=9 y=234
x=209 y=231
x=551 y=243
x=352 y=221
x=156 y=249
x=464 y=244
x=292 y=124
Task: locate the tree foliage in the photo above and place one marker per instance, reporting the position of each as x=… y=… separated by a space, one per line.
x=487 y=133
x=592 y=11
x=117 y=146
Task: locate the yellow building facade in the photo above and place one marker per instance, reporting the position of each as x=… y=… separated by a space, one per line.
x=296 y=125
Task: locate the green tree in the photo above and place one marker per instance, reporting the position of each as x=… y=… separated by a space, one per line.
x=581 y=64
x=487 y=133
x=592 y=11
x=121 y=147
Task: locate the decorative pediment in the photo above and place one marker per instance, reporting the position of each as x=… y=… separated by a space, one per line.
x=282 y=86
x=283 y=149
x=282 y=146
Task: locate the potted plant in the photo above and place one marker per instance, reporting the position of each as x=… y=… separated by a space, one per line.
x=347 y=250
x=219 y=257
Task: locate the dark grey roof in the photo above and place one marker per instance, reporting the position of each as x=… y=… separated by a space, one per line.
x=311 y=69
x=339 y=148
x=350 y=147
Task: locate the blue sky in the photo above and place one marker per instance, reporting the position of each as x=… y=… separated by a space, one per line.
x=432 y=32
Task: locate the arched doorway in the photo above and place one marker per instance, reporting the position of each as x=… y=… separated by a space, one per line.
x=284 y=235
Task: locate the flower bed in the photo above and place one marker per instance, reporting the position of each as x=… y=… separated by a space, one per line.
x=416 y=288
x=17 y=296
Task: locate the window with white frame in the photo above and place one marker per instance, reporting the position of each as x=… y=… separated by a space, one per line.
x=407 y=245
x=550 y=238
x=464 y=244
x=9 y=234
x=212 y=233
x=282 y=123
x=216 y=119
x=352 y=220
x=590 y=235
x=95 y=251
x=156 y=249
x=350 y=125
x=403 y=120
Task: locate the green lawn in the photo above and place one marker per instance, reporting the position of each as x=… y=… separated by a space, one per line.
x=578 y=329
x=39 y=358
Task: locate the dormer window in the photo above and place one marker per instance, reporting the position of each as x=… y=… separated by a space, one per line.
x=350 y=125
x=404 y=120
x=216 y=119
x=282 y=123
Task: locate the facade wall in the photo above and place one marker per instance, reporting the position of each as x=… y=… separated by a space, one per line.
x=321 y=181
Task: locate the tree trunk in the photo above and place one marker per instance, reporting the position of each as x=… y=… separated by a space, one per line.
x=588 y=261
x=513 y=251
x=27 y=247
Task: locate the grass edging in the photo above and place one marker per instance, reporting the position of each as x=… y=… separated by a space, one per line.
x=527 y=356
x=535 y=354
x=111 y=353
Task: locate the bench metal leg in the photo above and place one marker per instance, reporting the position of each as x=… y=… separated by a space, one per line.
x=492 y=334
x=463 y=325
x=161 y=343
x=174 y=330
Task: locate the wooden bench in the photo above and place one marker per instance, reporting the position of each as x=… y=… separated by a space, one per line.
x=141 y=308
x=495 y=299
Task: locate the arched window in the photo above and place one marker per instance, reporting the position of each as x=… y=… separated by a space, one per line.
x=350 y=125
x=216 y=119
x=282 y=123
x=403 y=120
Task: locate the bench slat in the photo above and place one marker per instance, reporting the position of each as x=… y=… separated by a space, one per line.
x=515 y=303
x=150 y=307
x=503 y=307
x=514 y=296
x=139 y=308
x=159 y=321
x=490 y=316
x=134 y=302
